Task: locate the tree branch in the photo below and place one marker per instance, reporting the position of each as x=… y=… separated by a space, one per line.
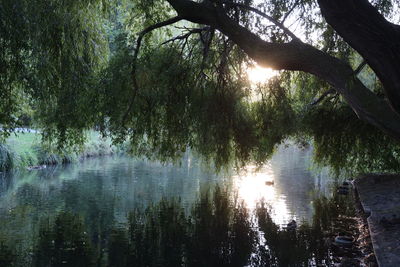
x=271 y=19
x=148 y=30
x=186 y=35
x=290 y=11
x=370 y=34
x=301 y=57
x=322 y=97
x=360 y=67
x=139 y=40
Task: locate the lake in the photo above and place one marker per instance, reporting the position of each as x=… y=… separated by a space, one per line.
x=103 y=192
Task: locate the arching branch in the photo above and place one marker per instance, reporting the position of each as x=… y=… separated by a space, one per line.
x=271 y=19
x=322 y=97
x=139 y=40
x=186 y=35
x=301 y=57
x=360 y=67
x=377 y=40
x=150 y=29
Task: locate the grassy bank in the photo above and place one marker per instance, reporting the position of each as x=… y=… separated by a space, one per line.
x=25 y=150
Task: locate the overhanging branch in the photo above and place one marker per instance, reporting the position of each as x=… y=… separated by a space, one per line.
x=141 y=35
x=322 y=97
x=376 y=39
x=271 y=19
x=150 y=29
x=186 y=35
x=300 y=57
x=360 y=67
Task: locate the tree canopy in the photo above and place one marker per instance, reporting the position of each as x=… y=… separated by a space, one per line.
x=169 y=75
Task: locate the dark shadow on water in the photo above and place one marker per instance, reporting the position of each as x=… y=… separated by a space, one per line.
x=216 y=231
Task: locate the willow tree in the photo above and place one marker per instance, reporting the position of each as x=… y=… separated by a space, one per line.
x=50 y=52
x=360 y=25
x=176 y=77
x=340 y=82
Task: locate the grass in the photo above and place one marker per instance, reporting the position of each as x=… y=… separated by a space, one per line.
x=24 y=150
x=23 y=142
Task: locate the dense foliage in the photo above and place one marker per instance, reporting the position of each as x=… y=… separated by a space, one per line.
x=75 y=65
x=50 y=54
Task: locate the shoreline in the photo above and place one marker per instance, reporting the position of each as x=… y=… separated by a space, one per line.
x=82 y=158
x=364 y=237
x=24 y=151
x=379 y=197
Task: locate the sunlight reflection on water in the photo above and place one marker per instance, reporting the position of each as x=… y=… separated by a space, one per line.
x=255 y=185
x=123 y=183
x=286 y=184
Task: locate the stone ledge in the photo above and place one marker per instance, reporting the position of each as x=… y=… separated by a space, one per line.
x=380 y=197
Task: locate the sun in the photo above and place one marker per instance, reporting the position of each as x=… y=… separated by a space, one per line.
x=259 y=75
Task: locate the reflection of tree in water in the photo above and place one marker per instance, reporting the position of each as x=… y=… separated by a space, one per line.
x=295 y=181
x=97 y=206
x=297 y=247
x=6 y=182
x=64 y=242
x=29 y=194
x=218 y=231
x=7 y=256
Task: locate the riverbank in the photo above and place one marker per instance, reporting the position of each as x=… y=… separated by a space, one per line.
x=379 y=197
x=363 y=238
x=24 y=151
x=344 y=229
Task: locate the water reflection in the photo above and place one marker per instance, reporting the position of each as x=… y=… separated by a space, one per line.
x=103 y=192
x=286 y=183
x=259 y=184
x=215 y=232
x=123 y=183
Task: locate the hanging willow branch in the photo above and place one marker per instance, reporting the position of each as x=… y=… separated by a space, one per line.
x=271 y=19
x=141 y=35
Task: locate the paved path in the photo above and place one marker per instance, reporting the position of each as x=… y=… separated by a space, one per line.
x=380 y=195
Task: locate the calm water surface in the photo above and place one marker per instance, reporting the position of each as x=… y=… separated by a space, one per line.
x=116 y=185
x=100 y=193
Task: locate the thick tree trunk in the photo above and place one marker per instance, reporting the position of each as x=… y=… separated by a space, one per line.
x=301 y=57
x=370 y=34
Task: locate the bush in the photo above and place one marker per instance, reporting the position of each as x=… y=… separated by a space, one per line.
x=7 y=158
x=50 y=157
